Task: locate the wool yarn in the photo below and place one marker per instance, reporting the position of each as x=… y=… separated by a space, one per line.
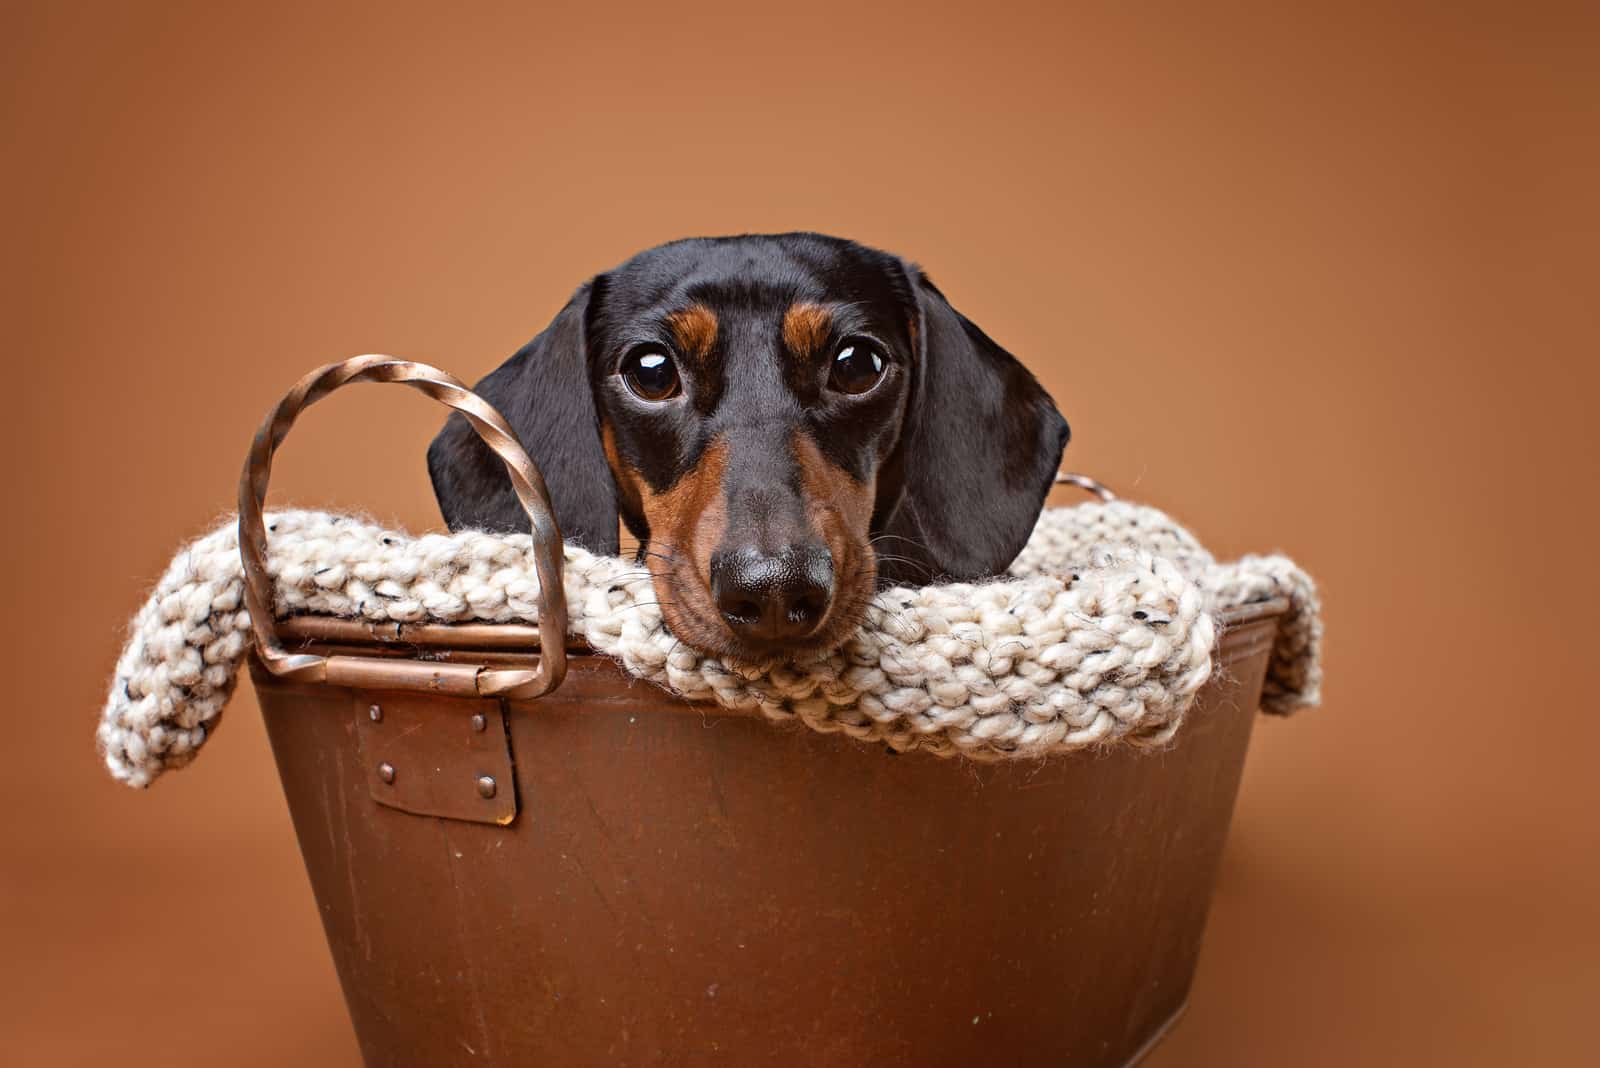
x=1102 y=632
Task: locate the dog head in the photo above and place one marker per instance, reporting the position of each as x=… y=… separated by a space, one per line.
x=783 y=422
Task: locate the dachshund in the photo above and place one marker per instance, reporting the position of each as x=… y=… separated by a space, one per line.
x=785 y=422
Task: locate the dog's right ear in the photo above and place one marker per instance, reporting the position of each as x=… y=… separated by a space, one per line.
x=543 y=392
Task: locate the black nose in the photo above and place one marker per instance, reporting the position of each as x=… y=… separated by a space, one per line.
x=773 y=597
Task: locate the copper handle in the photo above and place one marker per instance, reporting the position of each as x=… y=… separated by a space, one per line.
x=460 y=679
x=1084 y=482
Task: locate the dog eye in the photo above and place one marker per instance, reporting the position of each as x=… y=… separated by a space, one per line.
x=857 y=368
x=650 y=373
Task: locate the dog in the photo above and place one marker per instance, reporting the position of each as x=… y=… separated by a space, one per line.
x=785 y=422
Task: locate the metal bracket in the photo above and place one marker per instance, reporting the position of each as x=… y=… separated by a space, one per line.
x=437 y=756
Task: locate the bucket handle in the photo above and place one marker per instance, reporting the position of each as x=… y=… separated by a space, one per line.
x=1084 y=482
x=464 y=680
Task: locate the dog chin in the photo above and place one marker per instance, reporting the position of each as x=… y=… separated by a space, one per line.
x=746 y=651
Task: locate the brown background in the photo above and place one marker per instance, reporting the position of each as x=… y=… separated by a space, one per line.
x=1317 y=283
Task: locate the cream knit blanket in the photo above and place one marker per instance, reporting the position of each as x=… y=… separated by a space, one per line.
x=1102 y=632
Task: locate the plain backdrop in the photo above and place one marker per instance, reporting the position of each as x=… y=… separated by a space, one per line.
x=1316 y=282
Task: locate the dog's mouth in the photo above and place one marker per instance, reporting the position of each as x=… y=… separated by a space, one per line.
x=722 y=628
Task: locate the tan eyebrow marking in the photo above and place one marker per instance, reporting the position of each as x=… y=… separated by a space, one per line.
x=695 y=329
x=806 y=328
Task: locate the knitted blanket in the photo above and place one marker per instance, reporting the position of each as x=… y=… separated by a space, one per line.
x=1102 y=632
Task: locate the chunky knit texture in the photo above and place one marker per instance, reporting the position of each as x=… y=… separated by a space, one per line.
x=1102 y=632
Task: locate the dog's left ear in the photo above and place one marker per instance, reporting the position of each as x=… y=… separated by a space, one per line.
x=981 y=445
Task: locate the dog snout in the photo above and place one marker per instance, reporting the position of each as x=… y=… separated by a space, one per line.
x=779 y=596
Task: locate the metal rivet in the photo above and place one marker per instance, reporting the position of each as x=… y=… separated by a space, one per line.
x=478 y=722
x=376 y=712
x=486 y=786
x=386 y=772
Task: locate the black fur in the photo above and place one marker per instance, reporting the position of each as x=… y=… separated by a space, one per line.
x=543 y=392
x=979 y=451
x=959 y=441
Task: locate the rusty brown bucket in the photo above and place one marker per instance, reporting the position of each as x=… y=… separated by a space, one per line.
x=525 y=858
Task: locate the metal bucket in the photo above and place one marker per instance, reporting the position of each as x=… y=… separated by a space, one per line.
x=606 y=874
